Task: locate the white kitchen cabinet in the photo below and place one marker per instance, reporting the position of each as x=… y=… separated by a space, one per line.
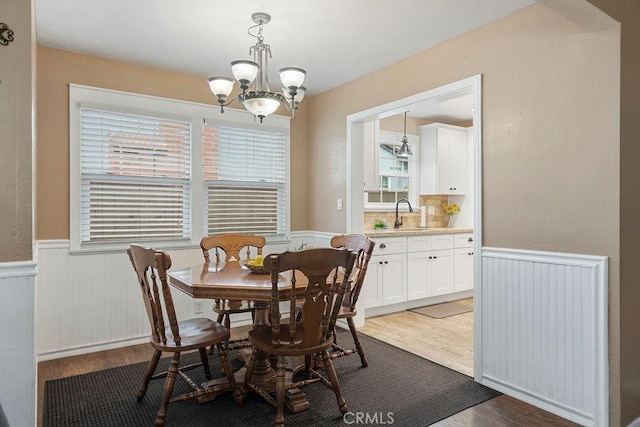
x=405 y=269
x=463 y=272
x=441 y=272
x=371 y=165
x=443 y=159
x=386 y=279
x=463 y=262
x=429 y=266
x=417 y=275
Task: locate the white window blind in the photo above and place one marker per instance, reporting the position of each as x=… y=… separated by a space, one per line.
x=244 y=180
x=135 y=175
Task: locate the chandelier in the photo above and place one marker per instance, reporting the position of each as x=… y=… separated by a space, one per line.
x=253 y=78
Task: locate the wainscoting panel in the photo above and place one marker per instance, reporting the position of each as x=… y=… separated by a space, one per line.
x=543 y=331
x=17 y=361
x=90 y=302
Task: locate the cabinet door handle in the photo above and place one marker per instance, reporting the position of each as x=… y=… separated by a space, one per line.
x=430 y=257
x=435 y=257
x=382 y=246
x=470 y=239
x=470 y=253
x=386 y=262
x=380 y=262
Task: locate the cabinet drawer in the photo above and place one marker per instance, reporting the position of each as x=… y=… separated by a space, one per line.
x=419 y=243
x=463 y=240
x=441 y=241
x=390 y=245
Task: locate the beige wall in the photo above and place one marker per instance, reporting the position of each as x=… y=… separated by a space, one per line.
x=551 y=157
x=16 y=134
x=57 y=68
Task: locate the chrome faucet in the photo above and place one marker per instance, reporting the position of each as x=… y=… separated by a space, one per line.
x=398 y=222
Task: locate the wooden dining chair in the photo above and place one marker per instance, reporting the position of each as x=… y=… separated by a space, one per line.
x=232 y=245
x=169 y=335
x=324 y=270
x=363 y=246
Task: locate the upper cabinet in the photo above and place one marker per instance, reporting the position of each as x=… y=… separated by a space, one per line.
x=443 y=159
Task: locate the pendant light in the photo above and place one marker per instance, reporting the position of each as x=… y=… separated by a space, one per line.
x=405 y=150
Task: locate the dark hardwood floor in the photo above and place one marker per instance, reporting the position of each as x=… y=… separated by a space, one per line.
x=500 y=411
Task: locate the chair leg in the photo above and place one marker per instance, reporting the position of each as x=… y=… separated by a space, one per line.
x=307 y=365
x=333 y=378
x=249 y=372
x=151 y=368
x=354 y=333
x=228 y=372
x=168 y=388
x=280 y=392
x=205 y=362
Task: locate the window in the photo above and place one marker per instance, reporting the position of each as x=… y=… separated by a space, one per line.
x=144 y=168
x=245 y=176
x=398 y=177
x=135 y=175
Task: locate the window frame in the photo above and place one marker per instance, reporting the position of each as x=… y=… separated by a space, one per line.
x=138 y=103
x=387 y=137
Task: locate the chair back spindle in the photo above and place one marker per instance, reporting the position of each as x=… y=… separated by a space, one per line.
x=151 y=268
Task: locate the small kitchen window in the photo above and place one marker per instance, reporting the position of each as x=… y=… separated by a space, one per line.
x=397 y=176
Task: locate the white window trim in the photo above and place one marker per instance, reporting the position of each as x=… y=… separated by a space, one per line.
x=414 y=176
x=79 y=94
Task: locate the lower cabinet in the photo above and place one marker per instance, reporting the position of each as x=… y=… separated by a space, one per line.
x=430 y=273
x=386 y=279
x=415 y=267
x=463 y=269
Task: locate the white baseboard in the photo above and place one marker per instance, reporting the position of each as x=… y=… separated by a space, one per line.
x=537 y=400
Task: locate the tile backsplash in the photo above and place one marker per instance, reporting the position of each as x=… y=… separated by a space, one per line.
x=412 y=220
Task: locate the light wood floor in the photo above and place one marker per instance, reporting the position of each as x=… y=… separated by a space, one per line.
x=421 y=335
x=447 y=341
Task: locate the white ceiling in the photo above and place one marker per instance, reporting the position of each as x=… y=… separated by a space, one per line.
x=336 y=41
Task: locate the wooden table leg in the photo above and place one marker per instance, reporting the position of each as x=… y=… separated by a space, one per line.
x=263 y=376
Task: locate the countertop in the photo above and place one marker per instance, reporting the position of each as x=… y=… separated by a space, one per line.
x=393 y=232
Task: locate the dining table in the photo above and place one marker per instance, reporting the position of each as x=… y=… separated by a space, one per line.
x=235 y=282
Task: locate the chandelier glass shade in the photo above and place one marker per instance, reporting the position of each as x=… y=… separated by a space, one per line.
x=252 y=76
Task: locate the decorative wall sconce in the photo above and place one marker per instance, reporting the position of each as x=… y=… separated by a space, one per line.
x=6 y=35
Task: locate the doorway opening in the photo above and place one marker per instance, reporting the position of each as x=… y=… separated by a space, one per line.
x=459 y=104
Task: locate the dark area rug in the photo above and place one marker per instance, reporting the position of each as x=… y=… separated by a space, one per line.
x=397 y=384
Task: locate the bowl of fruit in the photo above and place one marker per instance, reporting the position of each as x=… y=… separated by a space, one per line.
x=255 y=265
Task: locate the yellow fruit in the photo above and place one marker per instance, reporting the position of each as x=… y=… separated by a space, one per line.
x=259 y=259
